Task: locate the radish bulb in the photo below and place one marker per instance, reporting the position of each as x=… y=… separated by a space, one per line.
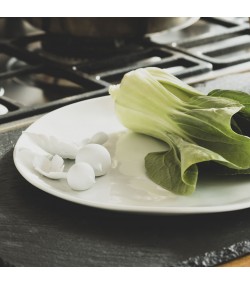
x=81 y=176
x=95 y=155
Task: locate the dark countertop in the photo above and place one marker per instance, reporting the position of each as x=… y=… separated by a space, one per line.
x=37 y=229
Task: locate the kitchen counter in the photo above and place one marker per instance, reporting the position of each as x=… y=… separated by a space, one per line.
x=37 y=229
x=239 y=262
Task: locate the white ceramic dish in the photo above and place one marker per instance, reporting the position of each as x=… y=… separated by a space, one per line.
x=125 y=187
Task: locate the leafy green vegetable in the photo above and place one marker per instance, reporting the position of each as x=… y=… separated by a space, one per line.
x=196 y=127
x=238 y=96
x=241 y=120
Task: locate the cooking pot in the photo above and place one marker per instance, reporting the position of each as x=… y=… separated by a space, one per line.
x=102 y=27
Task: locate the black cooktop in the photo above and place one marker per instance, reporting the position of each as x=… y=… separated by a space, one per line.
x=41 y=72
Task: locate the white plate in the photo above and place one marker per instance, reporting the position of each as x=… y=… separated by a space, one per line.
x=125 y=187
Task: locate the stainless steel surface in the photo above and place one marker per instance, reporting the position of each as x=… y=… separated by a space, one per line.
x=213 y=74
x=110 y=27
x=205 y=27
x=235 y=81
x=18 y=124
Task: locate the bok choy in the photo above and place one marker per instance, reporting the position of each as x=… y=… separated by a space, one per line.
x=197 y=128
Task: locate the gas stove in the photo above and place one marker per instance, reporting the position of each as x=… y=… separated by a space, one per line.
x=40 y=72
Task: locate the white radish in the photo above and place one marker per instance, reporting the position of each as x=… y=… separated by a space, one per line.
x=99 y=138
x=95 y=155
x=49 y=166
x=54 y=145
x=81 y=176
x=62 y=146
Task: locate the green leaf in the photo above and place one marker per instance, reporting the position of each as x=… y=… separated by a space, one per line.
x=211 y=129
x=241 y=120
x=238 y=96
x=180 y=161
x=164 y=168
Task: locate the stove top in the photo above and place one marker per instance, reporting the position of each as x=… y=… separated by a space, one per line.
x=40 y=72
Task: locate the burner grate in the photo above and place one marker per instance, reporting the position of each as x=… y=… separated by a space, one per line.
x=221 y=49
x=40 y=72
x=181 y=66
